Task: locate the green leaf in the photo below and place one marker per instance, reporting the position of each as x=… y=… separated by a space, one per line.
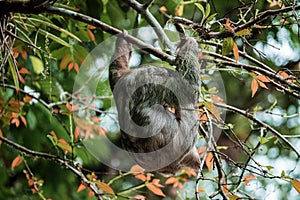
x=244 y=32
x=201 y=8
x=207 y=10
x=14 y=72
x=37 y=64
x=227 y=46
x=262 y=140
x=269 y=167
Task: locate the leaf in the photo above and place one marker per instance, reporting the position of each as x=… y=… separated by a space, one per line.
x=171 y=180
x=1 y=135
x=156 y=183
x=244 y=32
x=136 y=169
x=13 y=71
x=227 y=46
x=179 y=10
x=142 y=177
x=15 y=121
x=201 y=8
x=263 y=140
x=65 y=61
x=81 y=187
x=23 y=70
x=235 y=52
x=263 y=78
x=233 y=197
x=91 y=35
x=296 y=184
x=37 y=64
x=23 y=120
x=16 y=162
x=207 y=10
x=156 y=190
x=247 y=178
x=66 y=147
x=139 y=197
x=209 y=161
x=105 y=188
x=213 y=110
x=261 y=84
x=254 y=87
x=283 y=74
x=201 y=189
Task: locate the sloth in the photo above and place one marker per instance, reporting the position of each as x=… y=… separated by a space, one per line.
x=156 y=108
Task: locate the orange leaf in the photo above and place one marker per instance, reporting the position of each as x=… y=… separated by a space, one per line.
x=76 y=133
x=235 y=52
x=69 y=106
x=91 y=35
x=139 y=197
x=70 y=66
x=209 y=161
x=65 y=61
x=64 y=145
x=16 y=162
x=81 y=187
x=76 y=67
x=201 y=189
x=142 y=177
x=23 y=70
x=179 y=10
x=136 y=169
x=23 y=120
x=247 y=178
x=91 y=26
x=52 y=133
x=1 y=134
x=27 y=99
x=91 y=193
x=263 y=78
x=261 y=84
x=105 y=188
x=254 y=87
x=24 y=54
x=283 y=74
x=296 y=185
x=156 y=190
x=156 y=183
x=15 y=121
x=171 y=180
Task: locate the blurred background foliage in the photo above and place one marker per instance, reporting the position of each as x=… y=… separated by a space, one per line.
x=50 y=70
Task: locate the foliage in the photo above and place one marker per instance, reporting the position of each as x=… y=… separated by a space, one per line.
x=43 y=48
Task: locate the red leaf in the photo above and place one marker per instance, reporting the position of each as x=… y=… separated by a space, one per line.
x=156 y=190
x=16 y=162
x=254 y=87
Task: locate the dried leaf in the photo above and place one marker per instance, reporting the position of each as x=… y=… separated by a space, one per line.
x=247 y=178
x=209 y=161
x=16 y=162
x=235 y=52
x=105 y=188
x=136 y=169
x=156 y=190
x=296 y=185
x=81 y=187
x=254 y=87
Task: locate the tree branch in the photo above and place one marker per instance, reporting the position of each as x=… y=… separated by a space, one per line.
x=57 y=159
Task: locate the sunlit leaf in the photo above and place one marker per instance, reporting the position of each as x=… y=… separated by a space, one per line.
x=81 y=187
x=171 y=180
x=66 y=147
x=296 y=185
x=207 y=10
x=156 y=183
x=16 y=162
x=227 y=46
x=201 y=8
x=139 y=197
x=263 y=140
x=142 y=177
x=179 y=10
x=233 y=197
x=254 y=87
x=156 y=190
x=105 y=188
x=209 y=161
x=263 y=78
x=37 y=64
